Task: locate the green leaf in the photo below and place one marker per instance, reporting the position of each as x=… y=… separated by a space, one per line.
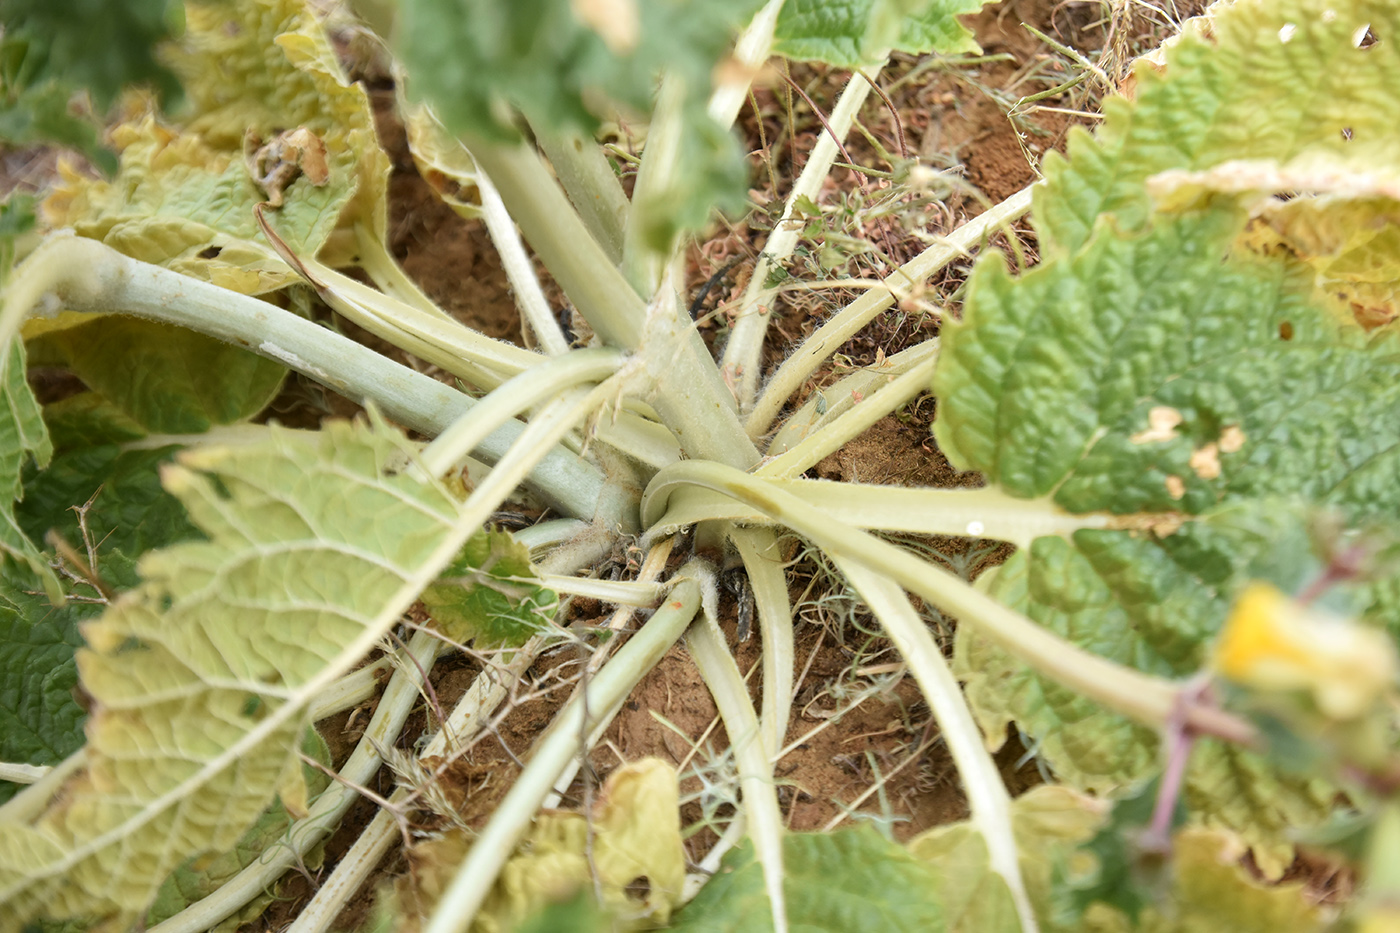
x=22 y=437
x=201 y=876
x=41 y=114
x=853 y=33
x=90 y=44
x=203 y=675
x=490 y=595
x=17 y=229
x=1154 y=604
x=1186 y=363
x=184 y=197
x=477 y=59
x=1050 y=384
x=1283 y=81
x=850 y=881
x=1048 y=822
x=88 y=420
x=1160 y=377
x=565 y=68
x=130 y=512
x=574 y=916
x=1126 y=878
x=167 y=379
x=41 y=722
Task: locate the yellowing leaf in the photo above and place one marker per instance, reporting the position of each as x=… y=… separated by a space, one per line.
x=1048 y=822
x=442 y=160
x=184 y=196
x=636 y=853
x=1279 y=80
x=1342 y=222
x=201 y=676
x=636 y=837
x=1211 y=892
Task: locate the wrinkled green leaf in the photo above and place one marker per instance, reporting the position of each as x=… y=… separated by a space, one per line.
x=41 y=722
x=202 y=675
x=1282 y=81
x=167 y=379
x=1154 y=604
x=1156 y=366
x=53 y=49
x=849 y=881
x=854 y=33
x=1050 y=383
x=490 y=594
x=40 y=719
x=131 y=513
x=477 y=59
x=184 y=197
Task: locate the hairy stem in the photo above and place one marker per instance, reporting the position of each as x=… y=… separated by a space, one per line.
x=520 y=270
x=702 y=415
x=852 y=405
x=731 y=696
x=592 y=186
x=766 y=569
x=750 y=52
x=525 y=391
x=644 y=261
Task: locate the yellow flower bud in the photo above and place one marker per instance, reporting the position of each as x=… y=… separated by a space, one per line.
x=1271 y=642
